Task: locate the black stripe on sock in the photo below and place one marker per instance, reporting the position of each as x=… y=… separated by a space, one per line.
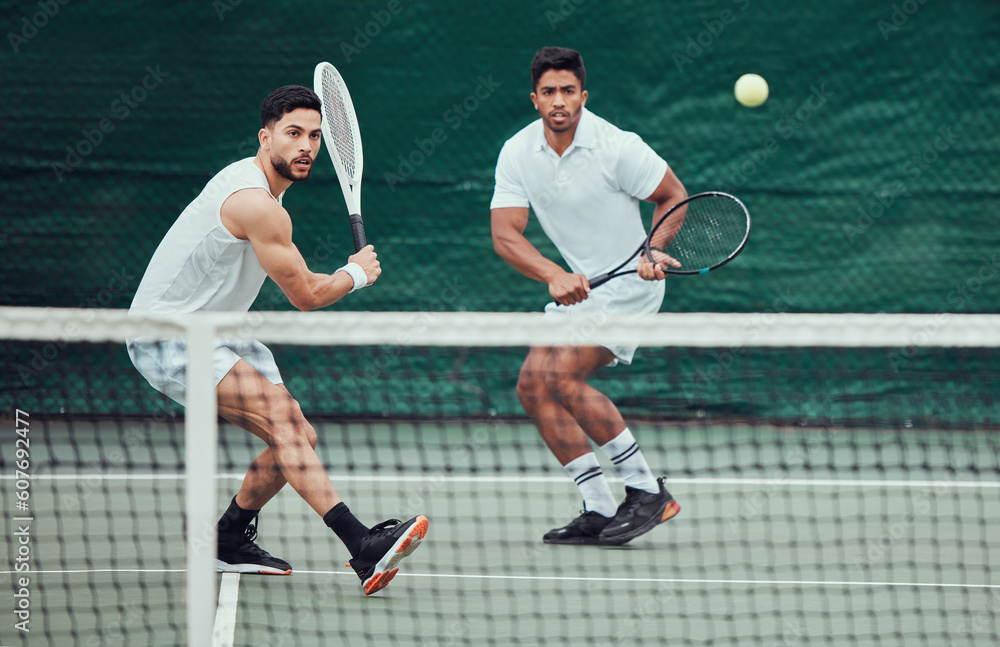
x=589 y=474
x=622 y=459
x=622 y=453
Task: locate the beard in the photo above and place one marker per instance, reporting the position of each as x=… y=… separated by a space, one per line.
x=285 y=170
x=571 y=121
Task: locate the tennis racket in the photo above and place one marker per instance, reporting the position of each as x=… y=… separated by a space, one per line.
x=703 y=232
x=343 y=142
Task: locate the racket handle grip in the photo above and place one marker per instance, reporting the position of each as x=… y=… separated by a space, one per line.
x=599 y=279
x=358 y=230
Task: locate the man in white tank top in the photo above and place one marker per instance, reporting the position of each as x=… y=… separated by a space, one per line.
x=584 y=178
x=215 y=257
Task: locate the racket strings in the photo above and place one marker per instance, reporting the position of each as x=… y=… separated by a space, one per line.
x=714 y=228
x=342 y=126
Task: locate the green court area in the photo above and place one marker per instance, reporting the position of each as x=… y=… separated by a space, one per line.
x=786 y=536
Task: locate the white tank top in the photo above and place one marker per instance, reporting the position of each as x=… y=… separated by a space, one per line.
x=199 y=265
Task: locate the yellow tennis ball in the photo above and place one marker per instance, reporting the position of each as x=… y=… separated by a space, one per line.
x=751 y=90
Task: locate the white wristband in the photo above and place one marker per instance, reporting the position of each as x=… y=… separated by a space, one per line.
x=358 y=274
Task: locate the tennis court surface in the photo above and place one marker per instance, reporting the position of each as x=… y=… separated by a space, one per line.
x=830 y=495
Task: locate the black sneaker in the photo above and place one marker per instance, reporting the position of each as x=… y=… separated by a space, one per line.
x=383 y=547
x=242 y=555
x=639 y=513
x=585 y=529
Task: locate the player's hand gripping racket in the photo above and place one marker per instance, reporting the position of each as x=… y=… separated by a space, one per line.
x=343 y=141
x=703 y=232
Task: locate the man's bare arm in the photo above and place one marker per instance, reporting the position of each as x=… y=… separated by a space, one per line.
x=668 y=193
x=508 y=225
x=253 y=215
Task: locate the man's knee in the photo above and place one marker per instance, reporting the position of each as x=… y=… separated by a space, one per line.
x=561 y=383
x=302 y=427
x=289 y=425
x=565 y=373
x=530 y=386
x=310 y=434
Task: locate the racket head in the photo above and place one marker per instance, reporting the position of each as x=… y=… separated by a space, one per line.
x=708 y=230
x=340 y=124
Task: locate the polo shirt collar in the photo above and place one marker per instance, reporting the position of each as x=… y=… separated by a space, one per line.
x=584 y=137
x=586 y=131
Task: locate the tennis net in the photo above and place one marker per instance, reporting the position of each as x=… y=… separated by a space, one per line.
x=839 y=479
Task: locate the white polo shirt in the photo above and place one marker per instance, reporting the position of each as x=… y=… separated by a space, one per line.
x=587 y=201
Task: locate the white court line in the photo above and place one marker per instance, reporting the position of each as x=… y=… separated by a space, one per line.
x=670 y=580
x=565 y=578
x=776 y=480
x=224 y=634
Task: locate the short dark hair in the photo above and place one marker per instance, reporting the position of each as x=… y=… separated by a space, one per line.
x=286 y=99
x=557 y=58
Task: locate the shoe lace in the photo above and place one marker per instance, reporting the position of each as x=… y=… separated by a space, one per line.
x=251 y=531
x=585 y=516
x=360 y=563
x=633 y=499
x=384 y=528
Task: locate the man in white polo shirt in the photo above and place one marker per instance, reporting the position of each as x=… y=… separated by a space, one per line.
x=583 y=178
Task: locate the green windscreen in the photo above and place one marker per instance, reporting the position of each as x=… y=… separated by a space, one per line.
x=871 y=171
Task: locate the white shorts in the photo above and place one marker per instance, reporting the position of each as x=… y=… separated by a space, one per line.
x=621 y=295
x=164 y=362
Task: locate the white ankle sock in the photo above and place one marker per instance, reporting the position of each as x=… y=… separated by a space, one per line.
x=586 y=472
x=624 y=452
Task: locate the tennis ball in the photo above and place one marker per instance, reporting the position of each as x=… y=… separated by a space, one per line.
x=751 y=90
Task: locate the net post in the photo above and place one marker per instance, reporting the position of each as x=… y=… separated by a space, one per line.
x=200 y=437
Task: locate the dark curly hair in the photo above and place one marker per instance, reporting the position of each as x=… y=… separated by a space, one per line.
x=558 y=58
x=286 y=99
